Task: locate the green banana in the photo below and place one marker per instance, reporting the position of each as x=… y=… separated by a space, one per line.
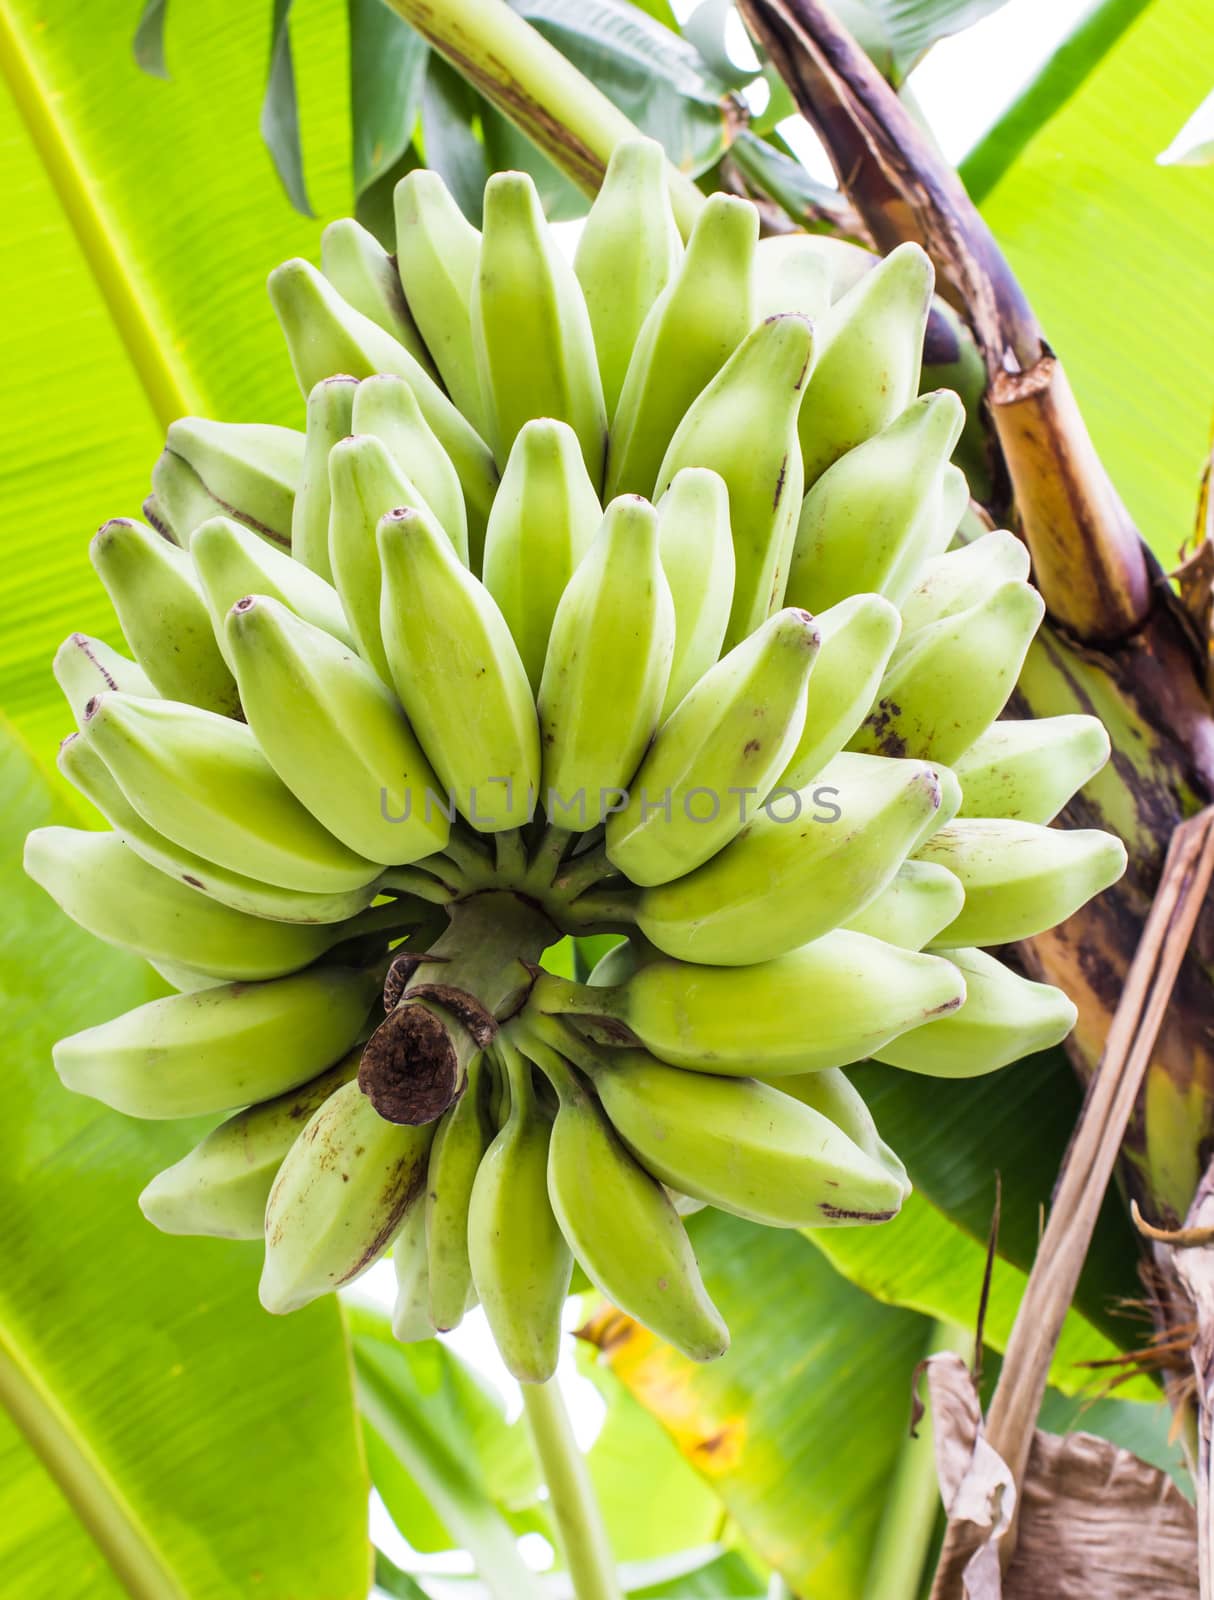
x=807 y=863
x=791 y=274
x=954 y=678
x=696 y=549
x=84 y=769
x=870 y=345
x=920 y=900
x=521 y=1264
x=531 y=331
x=1004 y=1017
x=335 y=735
x=365 y=483
x=436 y=252
x=365 y=276
x=234 y=1045
x=871 y=505
x=220 y=1189
x=1019 y=877
x=606 y=669
x=386 y=407
x=738 y=1144
x=781 y=254
x=827 y=1004
x=628 y=251
x=857 y=639
x=411 y=1309
x=246 y=470
x=85 y=667
x=154 y=590
x=231 y=562
x=1027 y=771
x=330 y=418
x=689 y=334
x=953 y=582
x=458 y=675
x=744 y=426
x=461 y=1138
x=326 y=336
x=727 y=741
x=110 y=892
x=341 y=1195
x=621 y=1224
x=832 y=1094
x=545 y=515
x=202 y=781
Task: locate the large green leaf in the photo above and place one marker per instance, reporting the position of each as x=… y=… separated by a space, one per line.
x=799 y=1425
x=1113 y=251
x=142 y=217
x=209 y=1450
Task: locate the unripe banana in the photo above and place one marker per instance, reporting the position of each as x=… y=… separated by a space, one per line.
x=832 y=1095
x=844 y=263
x=690 y=332
x=954 y=679
x=386 y=407
x=340 y=1198
x=86 y=667
x=607 y=668
x=461 y=1137
x=110 y=892
x=863 y=513
x=622 y=1226
x=805 y=864
x=920 y=900
x=791 y=274
x=326 y=336
x=220 y=1189
x=857 y=639
x=335 y=735
x=411 y=1309
x=1027 y=771
x=232 y=562
x=738 y=1144
x=330 y=418
x=870 y=345
x=365 y=483
x=545 y=515
x=1004 y=1017
x=85 y=771
x=744 y=426
x=196 y=1054
x=952 y=508
x=246 y=470
x=696 y=548
x=728 y=740
x=458 y=675
x=436 y=253
x=827 y=1004
x=365 y=276
x=952 y=583
x=202 y=781
x=628 y=251
x=530 y=328
x=521 y=1264
x=154 y=590
x=1020 y=878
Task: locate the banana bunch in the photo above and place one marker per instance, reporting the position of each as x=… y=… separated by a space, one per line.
x=622 y=595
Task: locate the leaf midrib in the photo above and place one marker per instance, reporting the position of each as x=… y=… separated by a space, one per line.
x=132 y=316
x=117 y=1530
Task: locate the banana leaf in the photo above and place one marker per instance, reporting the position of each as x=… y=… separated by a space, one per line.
x=148 y=1406
x=1112 y=249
